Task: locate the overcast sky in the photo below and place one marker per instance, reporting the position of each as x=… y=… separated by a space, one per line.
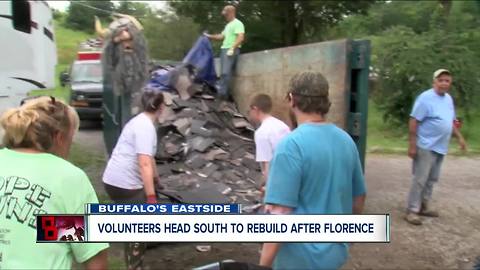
x=62 y=5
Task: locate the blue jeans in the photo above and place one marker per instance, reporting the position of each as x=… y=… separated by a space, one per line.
x=227 y=65
x=426 y=171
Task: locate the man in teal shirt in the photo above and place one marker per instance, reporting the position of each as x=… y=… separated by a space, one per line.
x=232 y=36
x=315 y=170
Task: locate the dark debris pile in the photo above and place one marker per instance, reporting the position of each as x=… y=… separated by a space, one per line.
x=206 y=149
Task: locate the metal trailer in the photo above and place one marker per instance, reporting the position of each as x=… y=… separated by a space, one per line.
x=28 y=50
x=345 y=64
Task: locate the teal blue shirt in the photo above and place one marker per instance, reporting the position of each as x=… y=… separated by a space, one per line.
x=315 y=170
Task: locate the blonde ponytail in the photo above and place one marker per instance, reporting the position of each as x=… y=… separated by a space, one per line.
x=17 y=121
x=34 y=124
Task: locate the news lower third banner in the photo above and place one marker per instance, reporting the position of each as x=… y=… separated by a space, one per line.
x=206 y=223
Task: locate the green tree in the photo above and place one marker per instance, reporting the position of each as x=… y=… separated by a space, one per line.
x=169 y=37
x=135 y=9
x=57 y=14
x=80 y=14
x=276 y=23
x=406 y=62
x=412 y=39
x=384 y=15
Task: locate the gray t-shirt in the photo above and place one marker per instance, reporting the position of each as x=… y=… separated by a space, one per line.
x=138 y=137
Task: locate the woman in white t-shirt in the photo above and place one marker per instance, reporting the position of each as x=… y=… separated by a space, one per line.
x=131 y=174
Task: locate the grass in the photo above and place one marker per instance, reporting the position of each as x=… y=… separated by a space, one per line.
x=67 y=42
x=92 y=163
x=382 y=138
x=115 y=262
x=59 y=92
x=471 y=132
x=83 y=158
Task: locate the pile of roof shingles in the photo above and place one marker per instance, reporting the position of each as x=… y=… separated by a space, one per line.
x=206 y=149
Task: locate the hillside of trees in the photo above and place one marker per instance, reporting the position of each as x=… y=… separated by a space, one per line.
x=410 y=39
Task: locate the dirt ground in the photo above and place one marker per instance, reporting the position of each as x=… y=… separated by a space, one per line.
x=451 y=241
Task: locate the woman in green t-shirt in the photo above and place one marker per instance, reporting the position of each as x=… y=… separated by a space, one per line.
x=36 y=179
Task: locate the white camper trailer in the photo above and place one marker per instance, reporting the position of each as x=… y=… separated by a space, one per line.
x=27 y=50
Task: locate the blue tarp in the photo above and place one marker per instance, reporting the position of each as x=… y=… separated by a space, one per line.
x=200 y=56
x=160 y=79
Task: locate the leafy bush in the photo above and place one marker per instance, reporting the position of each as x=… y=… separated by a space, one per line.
x=170 y=37
x=410 y=40
x=406 y=62
x=80 y=14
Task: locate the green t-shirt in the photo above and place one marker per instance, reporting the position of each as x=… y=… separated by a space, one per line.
x=232 y=29
x=38 y=184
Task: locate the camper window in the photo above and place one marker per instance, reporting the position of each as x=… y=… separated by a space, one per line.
x=21 y=16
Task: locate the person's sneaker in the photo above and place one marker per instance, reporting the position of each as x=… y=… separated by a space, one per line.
x=427 y=212
x=413 y=218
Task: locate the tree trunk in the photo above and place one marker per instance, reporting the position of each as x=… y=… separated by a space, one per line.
x=290 y=33
x=447 y=6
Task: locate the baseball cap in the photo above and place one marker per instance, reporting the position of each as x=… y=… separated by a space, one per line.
x=439 y=72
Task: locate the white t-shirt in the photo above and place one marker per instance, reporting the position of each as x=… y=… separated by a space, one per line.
x=267 y=136
x=139 y=136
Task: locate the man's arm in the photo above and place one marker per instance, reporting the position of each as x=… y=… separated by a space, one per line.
x=270 y=250
x=359 y=189
x=97 y=262
x=238 y=40
x=283 y=189
x=461 y=140
x=412 y=137
x=358 y=203
x=265 y=165
x=215 y=36
x=263 y=153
